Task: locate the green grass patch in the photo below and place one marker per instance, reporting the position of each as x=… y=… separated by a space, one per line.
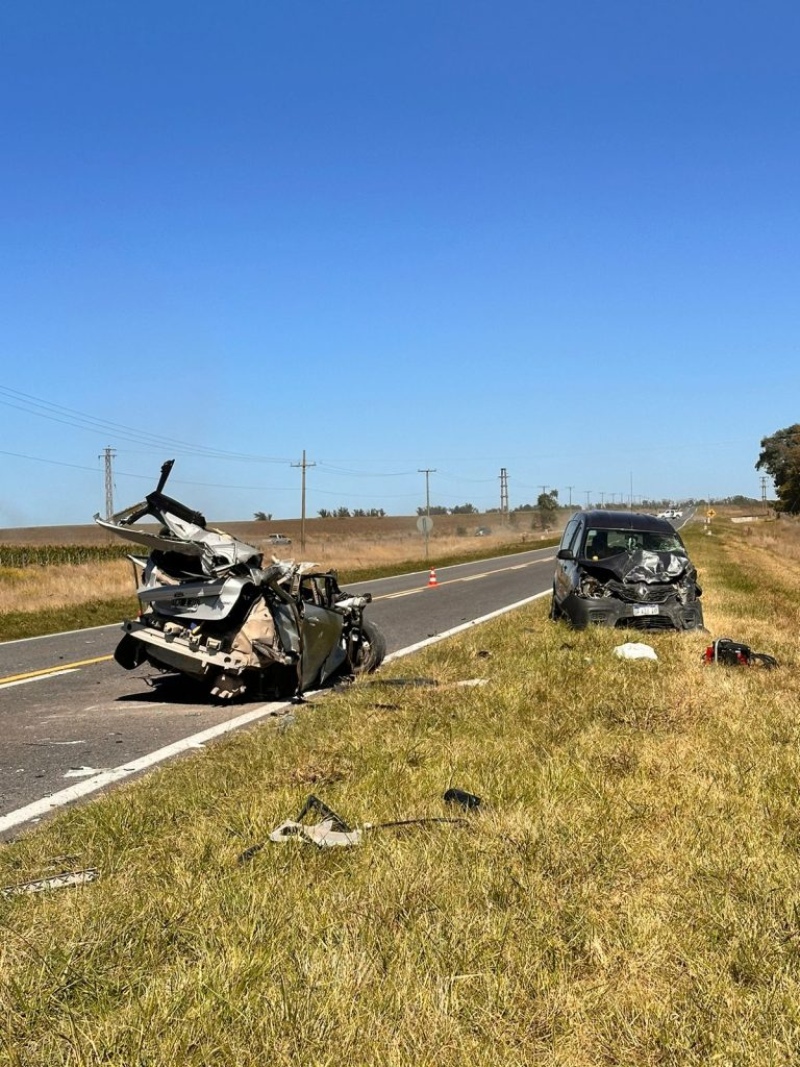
x=626 y=894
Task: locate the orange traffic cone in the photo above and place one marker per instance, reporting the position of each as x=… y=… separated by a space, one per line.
x=432 y=577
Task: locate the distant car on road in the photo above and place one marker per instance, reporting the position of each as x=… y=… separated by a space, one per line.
x=620 y=568
x=278 y=539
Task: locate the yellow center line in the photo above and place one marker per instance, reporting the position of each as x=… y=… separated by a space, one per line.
x=54 y=670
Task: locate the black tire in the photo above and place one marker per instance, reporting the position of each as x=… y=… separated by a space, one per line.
x=555 y=611
x=372 y=650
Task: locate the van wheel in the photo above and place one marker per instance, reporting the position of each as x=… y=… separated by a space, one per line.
x=555 y=611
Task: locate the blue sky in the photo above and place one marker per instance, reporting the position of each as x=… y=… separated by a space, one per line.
x=559 y=238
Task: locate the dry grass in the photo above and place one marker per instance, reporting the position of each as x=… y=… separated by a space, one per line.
x=626 y=895
x=34 y=589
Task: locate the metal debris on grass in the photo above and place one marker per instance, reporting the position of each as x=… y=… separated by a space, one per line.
x=58 y=881
x=331 y=831
x=466 y=800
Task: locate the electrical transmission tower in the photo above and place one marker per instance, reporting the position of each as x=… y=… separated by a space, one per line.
x=503 y=493
x=107 y=455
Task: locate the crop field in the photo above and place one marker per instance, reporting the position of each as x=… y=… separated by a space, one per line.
x=627 y=892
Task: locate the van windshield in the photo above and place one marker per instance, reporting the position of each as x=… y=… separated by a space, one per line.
x=601 y=544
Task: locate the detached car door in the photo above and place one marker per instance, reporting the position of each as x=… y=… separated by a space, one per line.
x=323 y=649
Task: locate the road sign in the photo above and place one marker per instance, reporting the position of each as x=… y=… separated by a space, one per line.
x=710 y=513
x=424 y=524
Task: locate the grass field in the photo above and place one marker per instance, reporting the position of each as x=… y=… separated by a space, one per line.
x=627 y=892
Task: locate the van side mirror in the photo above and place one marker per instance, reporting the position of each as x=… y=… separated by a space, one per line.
x=565 y=553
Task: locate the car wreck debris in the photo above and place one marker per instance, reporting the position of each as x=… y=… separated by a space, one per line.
x=213 y=611
x=331 y=831
x=733 y=654
x=466 y=800
x=57 y=881
x=624 y=569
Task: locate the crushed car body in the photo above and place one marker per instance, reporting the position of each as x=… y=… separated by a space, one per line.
x=624 y=569
x=211 y=610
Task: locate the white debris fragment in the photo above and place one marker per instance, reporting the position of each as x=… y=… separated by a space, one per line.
x=324 y=834
x=82 y=772
x=635 y=650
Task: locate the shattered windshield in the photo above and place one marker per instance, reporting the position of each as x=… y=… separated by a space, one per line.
x=602 y=544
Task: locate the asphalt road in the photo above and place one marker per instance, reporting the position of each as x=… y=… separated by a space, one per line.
x=74 y=722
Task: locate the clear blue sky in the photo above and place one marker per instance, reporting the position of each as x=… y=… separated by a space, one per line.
x=560 y=238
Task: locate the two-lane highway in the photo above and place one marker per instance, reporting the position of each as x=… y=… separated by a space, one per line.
x=73 y=721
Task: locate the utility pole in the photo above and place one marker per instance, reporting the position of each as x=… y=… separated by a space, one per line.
x=107 y=455
x=303 y=465
x=427 y=471
x=764 y=491
x=503 y=493
x=543 y=488
x=570 y=487
x=602 y=495
x=587 y=491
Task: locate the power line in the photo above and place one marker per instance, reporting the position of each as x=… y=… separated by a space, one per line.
x=44 y=409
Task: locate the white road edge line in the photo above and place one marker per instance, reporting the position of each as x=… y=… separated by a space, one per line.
x=91 y=785
x=464 y=626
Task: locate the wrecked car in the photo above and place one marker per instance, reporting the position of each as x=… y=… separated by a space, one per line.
x=623 y=569
x=213 y=610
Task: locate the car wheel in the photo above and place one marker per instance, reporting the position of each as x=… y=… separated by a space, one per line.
x=371 y=651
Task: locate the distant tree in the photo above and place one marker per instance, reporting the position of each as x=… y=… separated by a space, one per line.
x=780 y=458
x=437 y=509
x=464 y=509
x=376 y=513
x=342 y=513
x=263 y=516
x=547 y=504
x=324 y=513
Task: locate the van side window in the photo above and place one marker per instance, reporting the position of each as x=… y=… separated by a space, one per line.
x=569 y=533
x=576 y=536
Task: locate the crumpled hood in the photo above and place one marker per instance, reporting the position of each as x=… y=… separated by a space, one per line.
x=642 y=566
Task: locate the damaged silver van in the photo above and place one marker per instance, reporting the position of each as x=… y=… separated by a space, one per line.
x=212 y=609
x=624 y=569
